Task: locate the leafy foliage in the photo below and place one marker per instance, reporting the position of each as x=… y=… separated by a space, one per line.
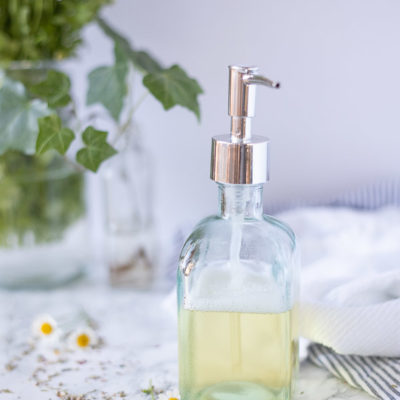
x=96 y=150
x=107 y=85
x=31 y=103
x=41 y=195
x=140 y=59
x=173 y=86
x=54 y=89
x=18 y=116
x=43 y=29
x=52 y=135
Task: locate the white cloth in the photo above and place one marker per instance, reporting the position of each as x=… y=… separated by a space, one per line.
x=350 y=280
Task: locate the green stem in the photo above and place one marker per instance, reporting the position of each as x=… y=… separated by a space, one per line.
x=73 y=164
x=70 y=161
x=123 y=128
x=75 y=114
x=38 y=10
x=142 y=98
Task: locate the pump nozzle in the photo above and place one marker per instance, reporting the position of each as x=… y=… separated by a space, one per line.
x=240 y=158
x=242 y=96
x=261 y=80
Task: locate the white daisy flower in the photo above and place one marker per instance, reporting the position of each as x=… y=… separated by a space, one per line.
x=45 y=326
x=82 y=338
x=169 y=395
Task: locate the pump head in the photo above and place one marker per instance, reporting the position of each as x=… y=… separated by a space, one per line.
x=240 y=158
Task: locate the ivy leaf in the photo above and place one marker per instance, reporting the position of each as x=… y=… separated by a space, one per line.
x=107 y=85
x=140 y=59
x=52 y=135
x=96 y=150
x=18 y=116
x=173 y=86
x=54 y=89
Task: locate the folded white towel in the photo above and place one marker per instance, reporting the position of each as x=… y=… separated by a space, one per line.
x=350 y=278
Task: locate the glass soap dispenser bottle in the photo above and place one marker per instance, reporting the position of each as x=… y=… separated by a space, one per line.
x=237 y=277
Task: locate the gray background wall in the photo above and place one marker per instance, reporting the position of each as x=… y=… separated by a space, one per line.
x=335 y=124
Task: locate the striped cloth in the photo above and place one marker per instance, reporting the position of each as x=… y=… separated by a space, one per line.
x=371 y=197
x=378 y=376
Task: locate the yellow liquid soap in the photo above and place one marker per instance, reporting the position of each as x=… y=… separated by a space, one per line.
x=236 y=355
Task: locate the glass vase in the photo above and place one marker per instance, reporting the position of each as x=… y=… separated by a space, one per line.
x=42 y=209
x=42 y=221
x=130 y=234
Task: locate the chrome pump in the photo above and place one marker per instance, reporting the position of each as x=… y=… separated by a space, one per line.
x=240 y=158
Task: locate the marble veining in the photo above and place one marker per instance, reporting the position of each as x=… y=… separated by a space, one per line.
x=138 y=345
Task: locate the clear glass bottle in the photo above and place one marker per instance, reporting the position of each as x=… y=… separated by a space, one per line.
x=238 y=278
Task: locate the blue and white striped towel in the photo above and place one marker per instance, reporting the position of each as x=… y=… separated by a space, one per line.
x=378 y=376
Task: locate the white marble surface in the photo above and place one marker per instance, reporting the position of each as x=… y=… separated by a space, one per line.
x=139 y=345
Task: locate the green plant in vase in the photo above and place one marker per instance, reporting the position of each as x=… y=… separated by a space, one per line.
x=45 y=143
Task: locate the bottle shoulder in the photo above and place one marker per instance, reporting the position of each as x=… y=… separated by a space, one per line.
x=245 y=265
x=282 y=226
x=214 y=233
x=214 y=225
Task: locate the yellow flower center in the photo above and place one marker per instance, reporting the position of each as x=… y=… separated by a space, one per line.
x=46 y=328
x=83 y=340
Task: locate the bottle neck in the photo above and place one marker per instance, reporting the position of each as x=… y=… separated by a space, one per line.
x=245 y=201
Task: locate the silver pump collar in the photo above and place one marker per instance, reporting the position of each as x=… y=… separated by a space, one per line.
x=240 y=158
